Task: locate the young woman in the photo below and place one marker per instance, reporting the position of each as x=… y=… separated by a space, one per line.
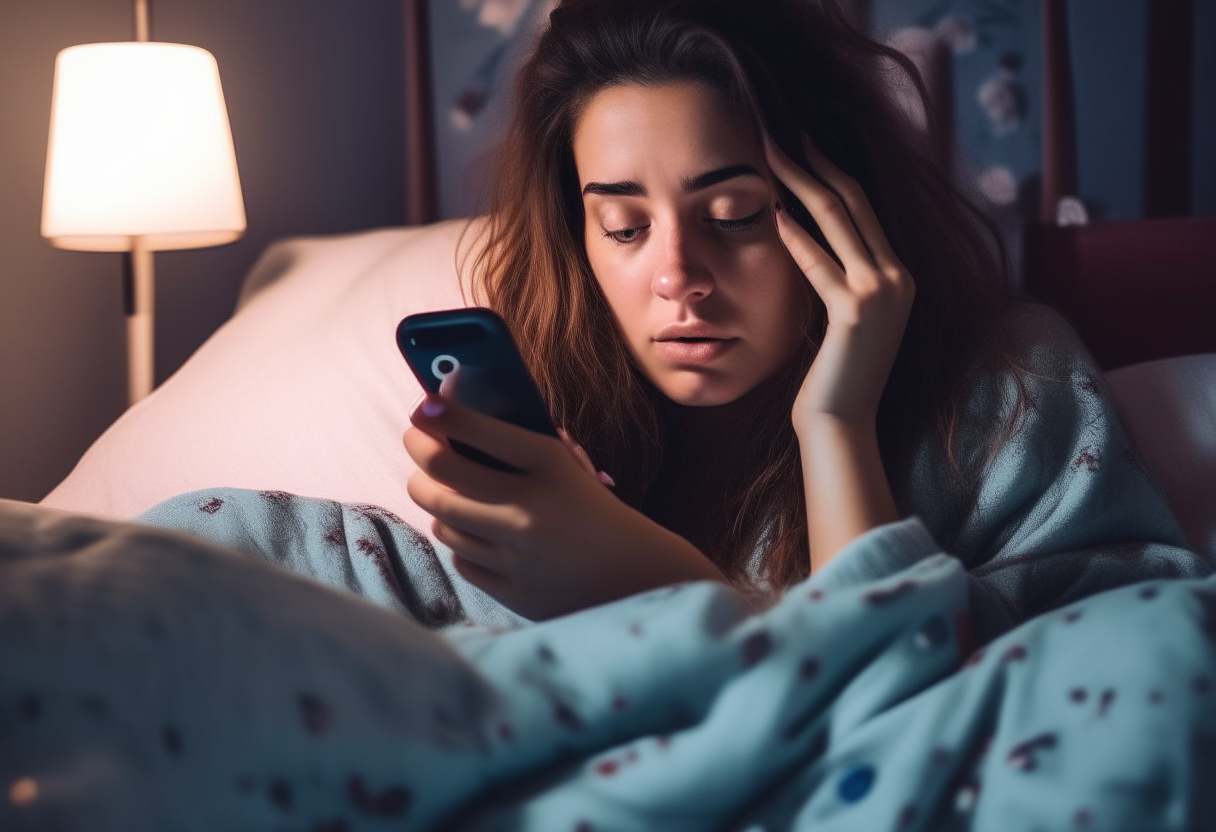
x=780 y=332
x=748 y=294
x=775 y=326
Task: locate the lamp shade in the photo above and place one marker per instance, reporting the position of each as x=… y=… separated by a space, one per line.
x=140 y=147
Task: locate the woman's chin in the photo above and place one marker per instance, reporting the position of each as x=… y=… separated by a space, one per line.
x=702 y=392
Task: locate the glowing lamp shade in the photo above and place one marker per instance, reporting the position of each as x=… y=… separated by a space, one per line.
x=140 y=147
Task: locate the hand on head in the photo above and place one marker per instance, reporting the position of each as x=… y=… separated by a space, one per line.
x=868 y=302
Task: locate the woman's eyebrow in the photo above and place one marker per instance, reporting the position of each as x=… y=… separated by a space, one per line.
x=630 y=188
x=696 y=183
x=713 y=177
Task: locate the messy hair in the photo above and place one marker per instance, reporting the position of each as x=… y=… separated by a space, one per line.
x=787 y=67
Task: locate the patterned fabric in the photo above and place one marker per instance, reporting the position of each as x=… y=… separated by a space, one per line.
x=363 y=549
x=1063 y=509
x=155 y=681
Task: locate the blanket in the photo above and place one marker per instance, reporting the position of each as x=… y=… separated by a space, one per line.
x=1063 y=509
x=1034 y=652
x=155 y=680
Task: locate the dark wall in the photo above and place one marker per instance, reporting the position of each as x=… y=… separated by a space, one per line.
x=1108 y=44
x=314 y=96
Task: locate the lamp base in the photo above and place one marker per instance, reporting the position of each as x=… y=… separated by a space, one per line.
x=140 y=322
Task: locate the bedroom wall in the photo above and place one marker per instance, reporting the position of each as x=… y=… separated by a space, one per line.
x=314 y=96
x=994 y=63
x=1108 y=45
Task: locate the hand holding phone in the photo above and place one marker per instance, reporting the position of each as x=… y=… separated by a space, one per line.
x=492 y=377
x=547 y=538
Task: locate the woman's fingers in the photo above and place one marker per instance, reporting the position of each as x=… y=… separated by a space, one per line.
x=810 y=257
x=444 y=417
x=435 y=457
x=450 y=383
x=479 y=576
x=470 y=547
x=487 y=521
x=826 y=208
x=862 y=213
x=584 y=459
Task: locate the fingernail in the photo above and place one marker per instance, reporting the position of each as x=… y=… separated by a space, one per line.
x=433 y=406
x=605 y=479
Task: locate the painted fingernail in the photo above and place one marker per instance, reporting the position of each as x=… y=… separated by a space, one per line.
x=605 y=479
x=433 y=406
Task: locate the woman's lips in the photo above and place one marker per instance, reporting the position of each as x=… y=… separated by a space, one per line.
x=694 y=351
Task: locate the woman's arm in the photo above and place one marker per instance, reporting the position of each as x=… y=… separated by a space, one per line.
x=868 y=303
x=845 y=484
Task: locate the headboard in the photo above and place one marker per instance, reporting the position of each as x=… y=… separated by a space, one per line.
x=421 y=164
x=1134 y=290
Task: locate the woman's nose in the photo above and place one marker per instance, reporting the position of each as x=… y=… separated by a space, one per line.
x=681 y=274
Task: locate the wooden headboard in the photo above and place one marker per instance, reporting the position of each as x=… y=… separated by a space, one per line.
x=1134 y=290
x=421 y=182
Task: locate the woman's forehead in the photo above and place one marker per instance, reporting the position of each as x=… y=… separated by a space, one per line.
x=679 y=129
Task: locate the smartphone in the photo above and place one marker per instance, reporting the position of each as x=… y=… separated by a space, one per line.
x=493 y=378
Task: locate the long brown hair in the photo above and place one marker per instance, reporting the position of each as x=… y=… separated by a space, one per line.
x=795 y=65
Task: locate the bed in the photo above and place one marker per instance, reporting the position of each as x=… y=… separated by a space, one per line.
x=154 y=679
x=300 y=392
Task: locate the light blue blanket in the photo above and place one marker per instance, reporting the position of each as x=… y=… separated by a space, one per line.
x=274 y=662
x=154 y=681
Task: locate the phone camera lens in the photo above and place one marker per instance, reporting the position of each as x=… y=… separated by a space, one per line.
x=444 y=365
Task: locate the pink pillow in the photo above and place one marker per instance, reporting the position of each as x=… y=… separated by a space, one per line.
x=302 y=390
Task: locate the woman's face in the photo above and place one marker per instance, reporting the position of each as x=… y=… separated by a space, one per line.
x=681 y=237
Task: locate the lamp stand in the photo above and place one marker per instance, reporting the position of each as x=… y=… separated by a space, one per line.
x=141 y=302
x=141 y=346
x=141 y=21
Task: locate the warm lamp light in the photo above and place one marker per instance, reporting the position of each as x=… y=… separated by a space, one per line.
x=140 y=159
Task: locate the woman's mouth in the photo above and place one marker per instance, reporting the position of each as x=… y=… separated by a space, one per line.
x=694 y=350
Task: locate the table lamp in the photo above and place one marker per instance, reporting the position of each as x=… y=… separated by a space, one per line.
x=140 y=159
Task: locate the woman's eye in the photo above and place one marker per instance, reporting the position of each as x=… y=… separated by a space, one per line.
x=738 y=225
x=626 y=235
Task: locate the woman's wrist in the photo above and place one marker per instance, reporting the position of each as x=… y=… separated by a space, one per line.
x=819 y=427
x=671 y=559
x=845 y=484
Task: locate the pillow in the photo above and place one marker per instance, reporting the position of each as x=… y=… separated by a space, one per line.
x=1169 y=407
x=302 y=390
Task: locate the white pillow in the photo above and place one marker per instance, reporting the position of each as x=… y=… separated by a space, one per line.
x=302 y=390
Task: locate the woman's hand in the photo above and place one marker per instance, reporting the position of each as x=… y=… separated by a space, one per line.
x=580 y=453
x=548 y=540
x=868 y=304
